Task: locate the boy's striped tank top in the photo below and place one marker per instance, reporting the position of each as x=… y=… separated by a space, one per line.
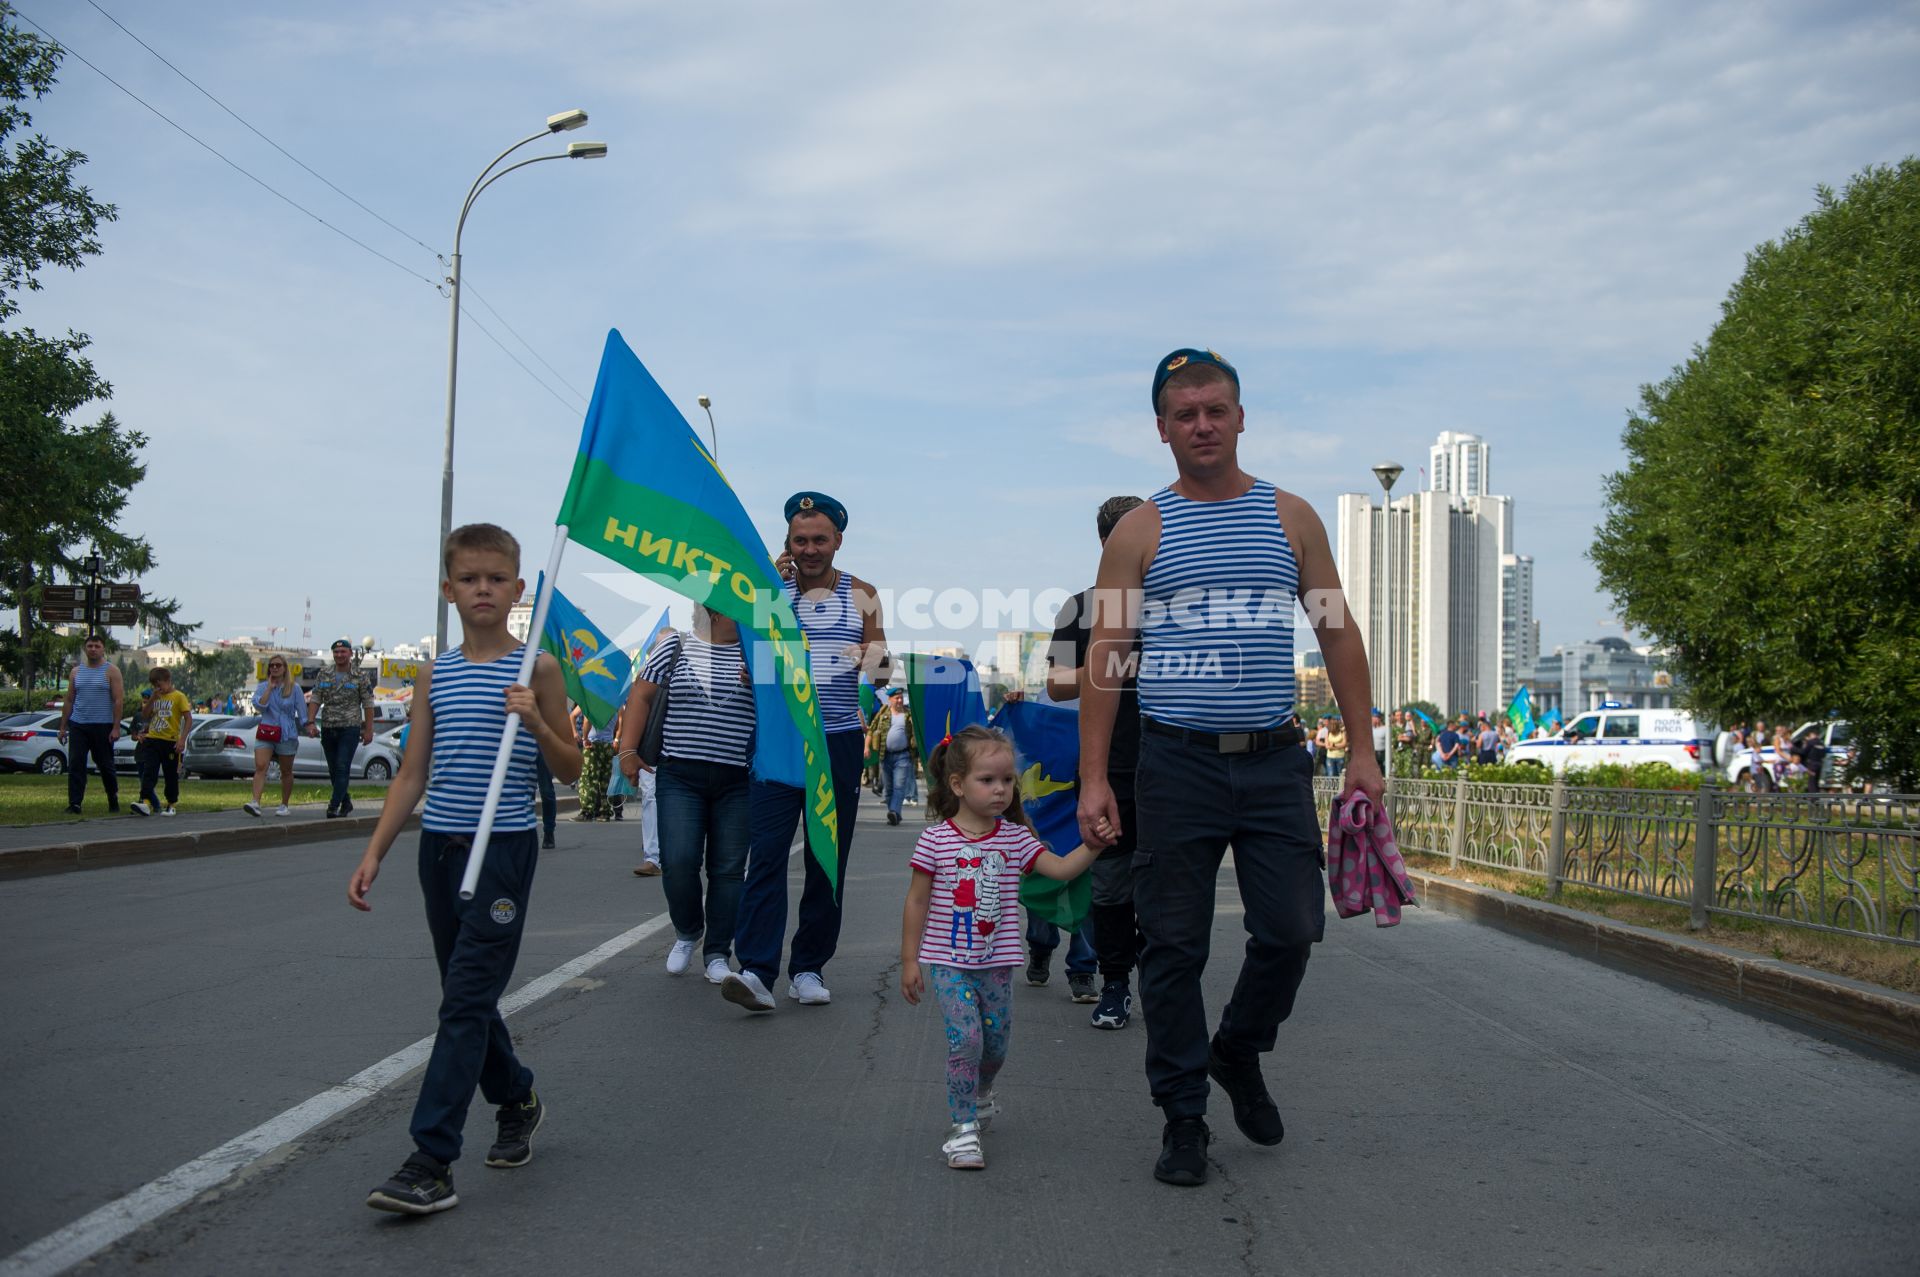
x=1216 y=627
x=831 y=625
x=469 y=716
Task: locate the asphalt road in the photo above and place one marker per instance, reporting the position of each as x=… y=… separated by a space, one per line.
x=1458 y=1101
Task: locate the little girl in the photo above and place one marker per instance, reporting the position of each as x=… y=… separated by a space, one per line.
x=963 y=918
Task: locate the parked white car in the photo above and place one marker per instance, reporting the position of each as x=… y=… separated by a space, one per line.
x=1619 y=734
x=30 y=742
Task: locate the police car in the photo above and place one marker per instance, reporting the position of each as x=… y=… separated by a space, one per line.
x=30 y=742
x=1616 y=733
x=1836 y=735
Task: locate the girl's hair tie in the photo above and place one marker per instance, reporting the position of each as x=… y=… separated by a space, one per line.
x=945 y=740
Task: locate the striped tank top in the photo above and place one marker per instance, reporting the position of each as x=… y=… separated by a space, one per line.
x=469 y=716
x=1216 y=624
x=92 y=697
x=831 y=625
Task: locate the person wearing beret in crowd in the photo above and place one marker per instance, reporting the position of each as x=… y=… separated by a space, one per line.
x=840 y=616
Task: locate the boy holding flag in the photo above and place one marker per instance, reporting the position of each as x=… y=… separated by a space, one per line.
x=459 y=715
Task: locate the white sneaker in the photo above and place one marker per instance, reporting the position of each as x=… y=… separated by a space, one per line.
x=744 y=989
x=718 y=971
x=808 y=991
x=963 y=1149
x=252 y=809
x=140 y=809
x=679 y=956
x=169 y=812
x=283 y=811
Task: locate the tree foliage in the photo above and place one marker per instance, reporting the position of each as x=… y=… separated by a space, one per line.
x=1767 y=526
x=66 y=485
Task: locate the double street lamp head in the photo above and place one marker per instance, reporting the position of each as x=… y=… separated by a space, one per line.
x=566 y=120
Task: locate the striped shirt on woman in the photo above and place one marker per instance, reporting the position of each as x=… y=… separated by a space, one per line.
x=1216 y=625
x=709 y=705
x=469 y=708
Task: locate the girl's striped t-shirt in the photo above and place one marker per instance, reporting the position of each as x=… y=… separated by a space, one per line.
x=973 y=919
x=469 y=717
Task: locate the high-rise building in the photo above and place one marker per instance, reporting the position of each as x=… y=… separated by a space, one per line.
x=1519 y=631
x=1450 y=592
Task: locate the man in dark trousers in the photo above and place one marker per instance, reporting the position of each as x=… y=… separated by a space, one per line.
x=1207 y=573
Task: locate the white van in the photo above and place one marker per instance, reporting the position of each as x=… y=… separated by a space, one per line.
x=1619 y=734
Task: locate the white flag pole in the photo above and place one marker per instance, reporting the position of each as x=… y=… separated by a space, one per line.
x=537 y=627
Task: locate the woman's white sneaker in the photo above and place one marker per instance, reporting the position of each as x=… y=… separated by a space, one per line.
x=962 y=1148
x=717 y=970
x=679 y=956
x=252 y=809
x=283 y=811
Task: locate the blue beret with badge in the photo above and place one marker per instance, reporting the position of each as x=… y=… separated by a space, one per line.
x=1186 y=357
x=817 y=503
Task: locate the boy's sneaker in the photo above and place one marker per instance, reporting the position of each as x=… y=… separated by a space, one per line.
x=169 y=812
x=808 y=990
x=679 y=956
x=517 y=1124
x=962 y=1148
x=986 y=1107
x=744 y=989
x=1254 y=1111
x=333 y=813
x=1116 y=1006
x=1039 y=966
x=420 y=1187
x=1183 y=1153
x=140 y=809
x=283 y=810
x=1080 y=986
x=252 y=809
x=717 y=970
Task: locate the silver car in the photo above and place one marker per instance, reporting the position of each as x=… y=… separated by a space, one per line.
x=30 y=742
x=226 y=749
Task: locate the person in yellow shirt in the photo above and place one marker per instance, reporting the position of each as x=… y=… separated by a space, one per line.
x=169 y=718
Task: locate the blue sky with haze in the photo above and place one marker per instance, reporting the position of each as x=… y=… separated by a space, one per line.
x=921 y=257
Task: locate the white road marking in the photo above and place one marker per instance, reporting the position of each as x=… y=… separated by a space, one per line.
x=94 y=1232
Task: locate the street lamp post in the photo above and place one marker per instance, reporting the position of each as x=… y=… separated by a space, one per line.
x=1388 y=473
x=560 y=123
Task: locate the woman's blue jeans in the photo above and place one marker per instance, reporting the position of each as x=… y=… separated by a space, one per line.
x=703 y=824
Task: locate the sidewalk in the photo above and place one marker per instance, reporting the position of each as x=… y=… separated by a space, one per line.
x=129 y=839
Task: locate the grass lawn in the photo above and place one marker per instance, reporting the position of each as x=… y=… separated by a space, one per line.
x=41 y=800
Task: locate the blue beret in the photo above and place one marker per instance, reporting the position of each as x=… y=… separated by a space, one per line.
x=817 y=503
x=1182 y=358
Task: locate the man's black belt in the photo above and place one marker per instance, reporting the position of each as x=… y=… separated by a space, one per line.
x=1227 y=742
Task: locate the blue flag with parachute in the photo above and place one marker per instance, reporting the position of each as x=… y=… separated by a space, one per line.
x=1046 y=757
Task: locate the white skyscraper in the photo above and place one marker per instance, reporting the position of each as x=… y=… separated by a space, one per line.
x=1450 y=594
x=1519 y=632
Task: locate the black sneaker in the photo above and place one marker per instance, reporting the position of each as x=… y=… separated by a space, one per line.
x=113 y=804
x=1183 y=1153
x=517 y=1122
x=546 y=843
x=73 y=809
x=1080 y=986
x=893 y=818
x=1254 y=1111
x=1116 y=1006
x=333 y=813
x=346 y=808
x=1039 y=966
x=420 y=1187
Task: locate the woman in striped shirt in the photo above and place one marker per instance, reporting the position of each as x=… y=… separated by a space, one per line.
x=701 y=783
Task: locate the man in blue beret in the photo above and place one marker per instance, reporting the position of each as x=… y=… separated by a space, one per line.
x=1207 y=573
x=841 y=618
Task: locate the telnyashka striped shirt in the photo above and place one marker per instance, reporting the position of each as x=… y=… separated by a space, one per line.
x=973 y=916
x=469 y=707
x=1216 y=624
x=832 y=624
x=709 y=708
x=92 y=695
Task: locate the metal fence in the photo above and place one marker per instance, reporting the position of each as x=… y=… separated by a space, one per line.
x=1846 y=863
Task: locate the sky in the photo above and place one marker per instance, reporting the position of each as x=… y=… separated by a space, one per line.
x=923 y=258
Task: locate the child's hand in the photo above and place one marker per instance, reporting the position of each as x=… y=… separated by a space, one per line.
x=520 y=700
x=911 y=985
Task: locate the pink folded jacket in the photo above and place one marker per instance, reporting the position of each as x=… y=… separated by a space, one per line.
x=1364 y=869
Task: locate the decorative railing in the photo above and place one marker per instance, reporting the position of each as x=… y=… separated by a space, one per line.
x=1846 y=863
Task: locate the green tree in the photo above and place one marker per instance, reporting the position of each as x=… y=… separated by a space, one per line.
x=66 y=485
x=212 y=676
x=1767 y=526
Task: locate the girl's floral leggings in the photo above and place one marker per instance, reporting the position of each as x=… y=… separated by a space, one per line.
x=978 y=1007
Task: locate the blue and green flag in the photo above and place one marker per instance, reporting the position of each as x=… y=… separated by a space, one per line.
x=1046 y=756
x=596 y=671
x=944 y=694
x=647 y=494
x=1520 y=712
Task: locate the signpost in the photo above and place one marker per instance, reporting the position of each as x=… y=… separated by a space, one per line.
x=97 y=604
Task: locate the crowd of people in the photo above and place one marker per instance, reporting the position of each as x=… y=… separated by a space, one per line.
x=1174 y=767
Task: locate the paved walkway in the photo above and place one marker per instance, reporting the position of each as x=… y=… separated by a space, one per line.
x=1458 y=1101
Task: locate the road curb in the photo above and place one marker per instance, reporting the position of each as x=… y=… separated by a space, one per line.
x=1856 y=1013
x=106 y=853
